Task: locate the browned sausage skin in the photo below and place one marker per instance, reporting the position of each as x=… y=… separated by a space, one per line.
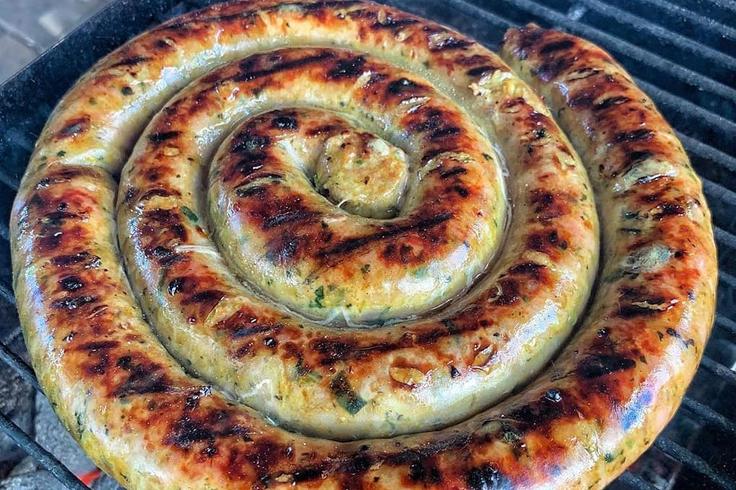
x=412 y=376
x=151 y=425
x=656 y=297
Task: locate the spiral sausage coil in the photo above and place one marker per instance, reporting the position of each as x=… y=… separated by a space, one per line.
x=321 y=243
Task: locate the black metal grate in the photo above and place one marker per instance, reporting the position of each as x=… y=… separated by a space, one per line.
x=682 y=53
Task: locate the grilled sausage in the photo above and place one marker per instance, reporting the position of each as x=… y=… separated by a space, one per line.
x=151 y=424
x=293 y=244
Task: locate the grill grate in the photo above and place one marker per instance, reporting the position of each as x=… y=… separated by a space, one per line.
x=682 y=53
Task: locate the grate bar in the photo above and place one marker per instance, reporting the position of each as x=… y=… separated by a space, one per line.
x=722 y=201
x=724 y=238
x=7 y=294
x=700 y=23
x=47 y=460
x=718 y=369
x=707 y=152
x=19 y=366
x=726 y=280
x=694 y=47
x=635 y=481
x=693 y=461
x=9 y=180
x=726 y=324
x=710 y=162
x=499 y=21
x=718 y=191
x=624 y=48
x=715 y=127
x=709 y=415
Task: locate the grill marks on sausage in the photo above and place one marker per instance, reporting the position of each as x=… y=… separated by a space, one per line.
x=142 y=377
x=285 y=219
x=452 y=172
x=402 y=86
x=253 y=148
x=98 y=356
x=554 y=46
x=327 y=351
x=548 y=242
x=85 y=259
x=71 y=283
x=520 y=280
x=487 y=477
x=611 y=102
x=131 y=61
x=196 y=289
x=347 y=68
x=440 y=128
x=597 y=365
x=480 y=71
x=555 y=53
x=245 y=324
x=285 y=121
x=638 y=301
x=57 y=214
x=393 y=22
x=420 y=226
x=552 y=69
x=163 y=230
x=60 y=176
x=73 y=302
x=642 y=134
x=548 y=205
x=191 y=429
x=425 y=470
x=162 y=136
x=74 y=127
x=249 y=73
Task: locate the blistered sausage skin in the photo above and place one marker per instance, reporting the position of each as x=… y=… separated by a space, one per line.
x=152 y=425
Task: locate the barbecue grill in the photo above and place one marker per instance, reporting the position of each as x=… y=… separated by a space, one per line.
x=682 y=53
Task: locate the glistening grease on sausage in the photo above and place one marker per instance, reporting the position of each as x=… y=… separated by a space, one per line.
x=184 y=377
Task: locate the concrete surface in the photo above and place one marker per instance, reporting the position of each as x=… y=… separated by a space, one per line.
x=28 y=27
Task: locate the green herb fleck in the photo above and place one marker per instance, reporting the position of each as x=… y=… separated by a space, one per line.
x=80 y=422
x=60 y=153
x=608 y=458
x=487 y=157
x=420 y=271
x=190 y=214
x=365 y=268
x=319 y=296
x=126 y=90
x=346 y=397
